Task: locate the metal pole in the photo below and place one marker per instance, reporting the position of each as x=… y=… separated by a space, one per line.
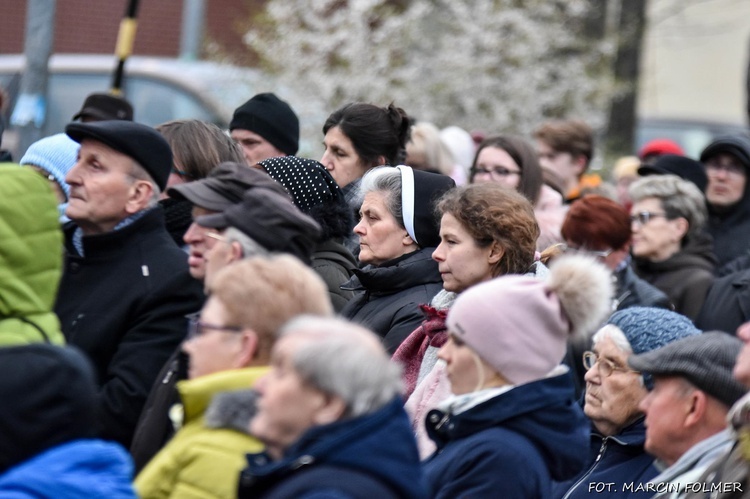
x=30 y=112
x=193 y=13
x=124 y=48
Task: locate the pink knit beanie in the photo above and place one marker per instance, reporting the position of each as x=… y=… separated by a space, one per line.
x=521 y=325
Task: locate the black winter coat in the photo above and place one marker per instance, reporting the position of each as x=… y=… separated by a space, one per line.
x=124 y=304
x=727 y=305
x=632 y=291
x=335 y=265
x=685 y=277
x=390 y=295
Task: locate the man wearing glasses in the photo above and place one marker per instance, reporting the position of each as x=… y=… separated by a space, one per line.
x=125 y=288
x=726 y=161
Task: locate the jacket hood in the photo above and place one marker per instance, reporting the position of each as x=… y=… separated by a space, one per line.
x=544 y=412
x=698 y=252
x=31 y=264
x=53 y=394
x=411 y=270
x=380 y=444
x=78 y=470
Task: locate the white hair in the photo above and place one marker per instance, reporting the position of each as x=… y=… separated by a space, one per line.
x=345 y=360
x=616 y=335
x=386 y=179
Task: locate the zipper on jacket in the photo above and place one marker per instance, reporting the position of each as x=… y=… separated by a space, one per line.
x=602 y=449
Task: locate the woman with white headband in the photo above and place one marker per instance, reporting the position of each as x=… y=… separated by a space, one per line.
x=398 y=231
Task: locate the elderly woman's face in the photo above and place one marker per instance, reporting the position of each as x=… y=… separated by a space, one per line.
x=655 y=237
x=612 y=401
x=287 y=406
x=381 y=238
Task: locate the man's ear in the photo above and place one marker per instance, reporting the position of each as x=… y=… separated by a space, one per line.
x=235 y=251
x=581 y=162
x=697 y=406
x=331 y=410
x=139 y=197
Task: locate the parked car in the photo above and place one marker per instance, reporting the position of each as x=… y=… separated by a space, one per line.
x=692 y=135
x=160 y=89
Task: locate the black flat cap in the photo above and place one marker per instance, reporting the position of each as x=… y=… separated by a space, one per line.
x=140 y=142
x=672 y=164
x=224 y=186
x=705 y=360
x=101 y=107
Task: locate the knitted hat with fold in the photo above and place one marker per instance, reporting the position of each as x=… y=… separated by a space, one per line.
x=521 y=325
x=271 y=118
x=56 y=155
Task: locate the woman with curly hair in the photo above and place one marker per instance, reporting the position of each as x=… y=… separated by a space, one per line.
x=486 y=230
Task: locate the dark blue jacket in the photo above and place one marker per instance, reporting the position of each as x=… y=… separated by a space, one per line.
x=618 y=460
x=365 y=457
x=82 y=469
x=510 y=446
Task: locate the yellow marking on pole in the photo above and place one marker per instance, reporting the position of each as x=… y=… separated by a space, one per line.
x=126 y=37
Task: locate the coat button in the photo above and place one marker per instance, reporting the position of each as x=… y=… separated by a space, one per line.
x=74 y=267
x=434 y=418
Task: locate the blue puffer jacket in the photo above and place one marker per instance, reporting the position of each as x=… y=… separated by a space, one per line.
x=511 y=446
x=82 y=469
x=365 y=457
x=618 y=467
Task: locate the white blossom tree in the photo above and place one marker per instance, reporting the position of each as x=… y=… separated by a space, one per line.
x=496 y=65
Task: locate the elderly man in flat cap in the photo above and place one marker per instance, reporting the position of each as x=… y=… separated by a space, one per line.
x=686 y=411
x=125 y=288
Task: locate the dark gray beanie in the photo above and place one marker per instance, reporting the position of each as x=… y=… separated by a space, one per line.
x=272 y=119
x=705 y=360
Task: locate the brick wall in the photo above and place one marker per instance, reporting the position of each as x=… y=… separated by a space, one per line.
x=83 y=26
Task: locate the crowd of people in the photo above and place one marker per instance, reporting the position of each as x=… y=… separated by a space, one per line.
x=191 y=312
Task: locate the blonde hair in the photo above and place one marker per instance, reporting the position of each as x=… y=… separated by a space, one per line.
x=263 y=293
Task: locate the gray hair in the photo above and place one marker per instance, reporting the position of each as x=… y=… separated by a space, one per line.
x=250 y=247
x=620 y=340
x=678 y=198
x=138 y=172
x=345 y=360
x=386 y=179
x=616 y=335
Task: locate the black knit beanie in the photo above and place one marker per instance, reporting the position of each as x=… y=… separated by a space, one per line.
x=272 y=119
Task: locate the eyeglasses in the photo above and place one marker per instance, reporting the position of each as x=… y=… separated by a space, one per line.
x=597 y=253
x=606 y=366
x=197 y=328
x=181 y=173
x=217 y=236
x=730 y=167
x=498 y=172
x=645 y=217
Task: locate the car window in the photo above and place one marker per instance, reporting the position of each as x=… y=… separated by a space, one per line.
x=154 y=101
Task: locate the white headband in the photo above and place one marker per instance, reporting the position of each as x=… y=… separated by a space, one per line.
x=407 y=199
